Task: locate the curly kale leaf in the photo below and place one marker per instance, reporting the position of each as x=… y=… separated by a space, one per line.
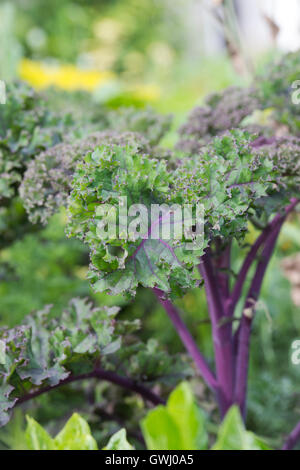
x=46 y=351
x=121 y=262
x=26 y=128
x=284 y=153
x=222 y=111
x=151 y=125
x=226 y=180
x=228 y=177
x=47 y=182
x=275 y=87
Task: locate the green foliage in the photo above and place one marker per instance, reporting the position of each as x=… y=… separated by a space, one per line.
x=151 y=125
x=118 y=442
x=285 y=155
x=275 y=90
x=233 y=179
x=119 y=264
x=37 y=438
x=45 y=351
x=75 y=435
x=12 y=435
x=13 y=222
x=42 y=266
x=232 y=434
x=180 y=425
x=47 y=181
x=237 y=179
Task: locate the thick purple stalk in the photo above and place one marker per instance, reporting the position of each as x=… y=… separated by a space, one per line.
x=187 y=339
x=222 y=263
x=252 y=255
x=292 y=438
x=101 y=374
x=222 y=335
x=249 y=260
x=244 y=332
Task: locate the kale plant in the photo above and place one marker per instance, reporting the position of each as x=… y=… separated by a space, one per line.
x=236 y=183
x=240 y=179
x=39 y=156
x=242 y=174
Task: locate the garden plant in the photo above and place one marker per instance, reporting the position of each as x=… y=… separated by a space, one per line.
x=244 y=172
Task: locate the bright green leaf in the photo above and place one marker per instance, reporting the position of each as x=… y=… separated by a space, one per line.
x=36 y=437
x=188 y=417
x=118 y=442
x=76 y=435
x=232 y=434
x=178 y=426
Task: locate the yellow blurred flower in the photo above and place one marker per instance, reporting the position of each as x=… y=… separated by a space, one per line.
x=68 y=77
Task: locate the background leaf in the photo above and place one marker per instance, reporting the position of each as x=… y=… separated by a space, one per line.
x=178 y=426
x=232 y=434
x=76 y=435
x=36 y=436
x=118 y=442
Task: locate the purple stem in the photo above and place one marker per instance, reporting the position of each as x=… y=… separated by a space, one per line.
x=222 y=264
x=101 y=374
x=222 y=336
x=187 y=339
x=251 y=256
x=292 y=438
x=242 y=336
x=244 y=332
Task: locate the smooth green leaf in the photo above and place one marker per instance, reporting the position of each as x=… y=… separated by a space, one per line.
x=160 y=430
x=118 y=442
x=188 y=417
x=76 y=435
x=232 y=434
x=36 y=436
x=180 y=425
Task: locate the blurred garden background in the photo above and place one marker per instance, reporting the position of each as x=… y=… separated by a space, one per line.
x=90 y=57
